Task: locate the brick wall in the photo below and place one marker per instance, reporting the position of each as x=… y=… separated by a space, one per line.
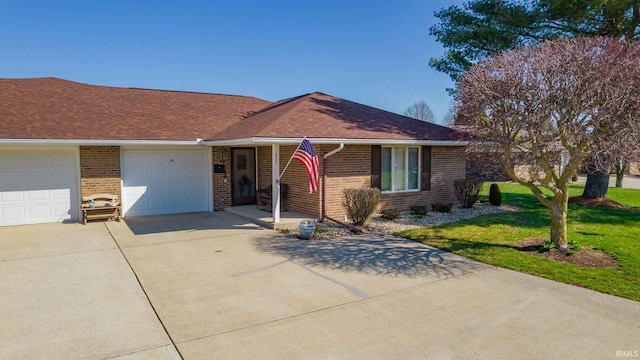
x=100 y=170
x=447 y=165
x=298 y=198
x=221 y=189
x=351 y=168
x=347 y=169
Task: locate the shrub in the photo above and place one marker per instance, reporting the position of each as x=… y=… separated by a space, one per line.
x=441 y=207
x=360 y=204
x=495 y=196
x=390 y=214
x=419 y=210
x=467 y=191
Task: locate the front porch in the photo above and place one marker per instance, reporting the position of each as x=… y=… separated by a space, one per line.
x=288 y=219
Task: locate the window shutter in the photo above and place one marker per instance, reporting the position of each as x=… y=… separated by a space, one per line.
x=426 y=168
x=376 y=166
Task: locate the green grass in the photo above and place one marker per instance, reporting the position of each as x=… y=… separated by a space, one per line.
x=490 y=239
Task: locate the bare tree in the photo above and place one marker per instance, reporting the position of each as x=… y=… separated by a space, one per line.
x=563 y=101
x=449 y=118
x=420 y=111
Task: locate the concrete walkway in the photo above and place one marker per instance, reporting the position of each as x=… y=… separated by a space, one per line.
x=223 y=288
x=629 y=181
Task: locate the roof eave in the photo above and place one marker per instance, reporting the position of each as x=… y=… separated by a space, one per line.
x=295 y=141
x=99 y=142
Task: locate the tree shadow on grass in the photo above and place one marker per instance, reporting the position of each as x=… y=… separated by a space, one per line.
x=371 y=254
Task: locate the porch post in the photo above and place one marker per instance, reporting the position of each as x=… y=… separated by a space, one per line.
x=275 y=181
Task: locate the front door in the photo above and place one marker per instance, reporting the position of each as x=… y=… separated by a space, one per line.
x=243 y=176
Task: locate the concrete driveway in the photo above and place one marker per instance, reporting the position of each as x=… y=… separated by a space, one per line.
x=213 y=286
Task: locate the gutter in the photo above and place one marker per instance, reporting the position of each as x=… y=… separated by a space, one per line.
x=296 y=141
x=105 y=142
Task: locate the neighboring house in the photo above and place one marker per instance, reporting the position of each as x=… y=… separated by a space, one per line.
x=166 y=152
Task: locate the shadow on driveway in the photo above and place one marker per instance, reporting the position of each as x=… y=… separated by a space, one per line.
x=219 y=220
x=371 y=254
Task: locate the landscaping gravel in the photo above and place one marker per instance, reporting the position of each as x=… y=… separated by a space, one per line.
x=331 y=230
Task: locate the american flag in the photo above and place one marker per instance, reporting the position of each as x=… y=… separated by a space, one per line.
x=307 y=155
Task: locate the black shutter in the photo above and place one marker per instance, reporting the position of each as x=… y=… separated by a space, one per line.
x=426 y=168
x=376 y=166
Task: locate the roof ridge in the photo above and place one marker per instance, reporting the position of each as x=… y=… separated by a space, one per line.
x=278 y=104
x=186 y=92
x=131 y=87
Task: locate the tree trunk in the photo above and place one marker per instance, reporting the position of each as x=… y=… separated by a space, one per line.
x=597 y=185
x=559 y=222
x=621 y=167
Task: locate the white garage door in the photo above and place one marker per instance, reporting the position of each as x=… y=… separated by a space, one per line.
x=38 y=186
x=165 y=181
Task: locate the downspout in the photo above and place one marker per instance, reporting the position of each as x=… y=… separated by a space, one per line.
x=324 y=191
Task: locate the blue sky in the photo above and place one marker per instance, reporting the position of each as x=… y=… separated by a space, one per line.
x=374 y=52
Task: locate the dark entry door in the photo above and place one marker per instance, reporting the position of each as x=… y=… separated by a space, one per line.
x=243 y=176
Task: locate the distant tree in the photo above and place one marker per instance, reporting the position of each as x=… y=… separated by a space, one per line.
x=575 y=99
x=483 y=28
x=420 y=111
x=449 y=118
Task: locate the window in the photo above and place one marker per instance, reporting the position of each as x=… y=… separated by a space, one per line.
x=400 y=168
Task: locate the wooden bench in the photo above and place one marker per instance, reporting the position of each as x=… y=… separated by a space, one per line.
x=101 y=206
x=264 y=196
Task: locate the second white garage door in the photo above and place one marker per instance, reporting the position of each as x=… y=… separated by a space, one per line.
x=165 y=181
x=38 y=186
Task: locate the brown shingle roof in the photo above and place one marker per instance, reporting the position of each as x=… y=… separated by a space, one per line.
x=50 y=108
x=318 y=115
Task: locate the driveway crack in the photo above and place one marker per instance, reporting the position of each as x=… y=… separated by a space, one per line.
x=145 y=293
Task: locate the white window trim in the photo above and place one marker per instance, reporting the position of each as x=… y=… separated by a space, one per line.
x=406 y=164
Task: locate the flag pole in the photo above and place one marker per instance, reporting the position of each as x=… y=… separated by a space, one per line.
x=291 y=158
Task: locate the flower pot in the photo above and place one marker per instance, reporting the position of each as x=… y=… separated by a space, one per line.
x=306 y=229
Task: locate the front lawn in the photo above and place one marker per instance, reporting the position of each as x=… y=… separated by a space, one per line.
x=491 y=239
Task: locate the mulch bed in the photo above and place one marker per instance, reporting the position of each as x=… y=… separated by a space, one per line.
x=586 y=257
x=602 y=202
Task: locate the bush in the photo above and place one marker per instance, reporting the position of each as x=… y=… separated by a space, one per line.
x=390 y=214
x=360 y=204
x=575 y=177
x=419 y=210
x=467 y=191
x=441 y=207
x=495 y=196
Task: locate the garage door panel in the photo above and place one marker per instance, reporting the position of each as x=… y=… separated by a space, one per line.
x=199 y=159
x=155 y=158
x=38 y=195
x=198 y=201
x=38 y=186
x=60 y=210
x=169 y=178
x=178 y=203
x=61 y=195
x=132 y=158
x=39 y=159
x=13 y=213
x=135 y=176
x=177 y=157
x=40 y=211
x=62 y=176
x=11 y=196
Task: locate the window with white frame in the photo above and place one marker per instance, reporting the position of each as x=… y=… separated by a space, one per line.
x=400 y=168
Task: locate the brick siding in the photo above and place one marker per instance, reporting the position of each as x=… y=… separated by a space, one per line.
x=351 y=168
x=100 y=170
x=447 y=165
x=221 y=181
